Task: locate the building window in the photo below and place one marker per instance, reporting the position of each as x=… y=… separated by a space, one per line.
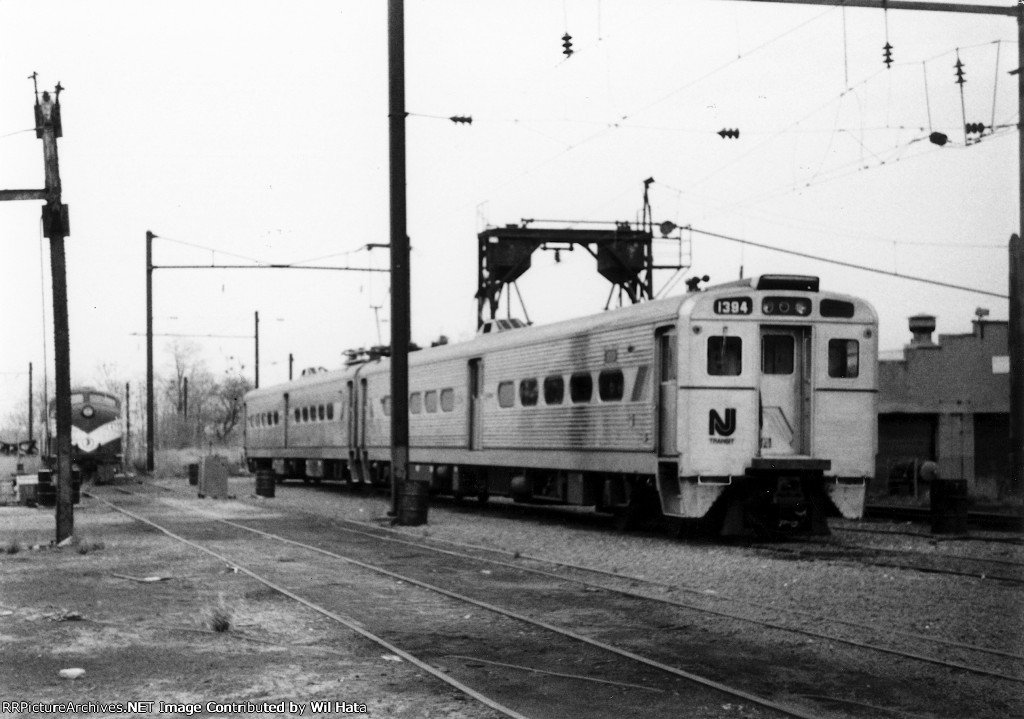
x=506 y=394
x=610 y=385
x=843 y=358
x=528 y=392
x=725 y=356
x=447 y=400
x=581 y=386
x=554 y=389
x=385 y=403
x=415 y=403
x=777 y=354
x=430 y=401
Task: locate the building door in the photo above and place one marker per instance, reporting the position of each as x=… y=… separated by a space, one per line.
x=476 y=395
x=785 y=391
x=668 y=391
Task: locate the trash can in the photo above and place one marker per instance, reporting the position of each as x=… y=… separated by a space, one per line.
x=949 y=506
x=193 y=473
x=46 y=490
x=413 y=501
x=265 y=482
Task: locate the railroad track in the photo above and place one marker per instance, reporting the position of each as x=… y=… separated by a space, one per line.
x=983 y=568
x=997 y=521
x=630 y=603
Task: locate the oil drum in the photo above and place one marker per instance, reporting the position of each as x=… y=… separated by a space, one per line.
x=265 y=482
x=46 y=490
x=949 y=506
x=413 y=501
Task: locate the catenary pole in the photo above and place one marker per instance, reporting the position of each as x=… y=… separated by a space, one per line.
x=150 y=267
x=399 y=250
x=1016 y=326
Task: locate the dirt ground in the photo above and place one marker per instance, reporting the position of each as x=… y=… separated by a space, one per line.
x=137 y=612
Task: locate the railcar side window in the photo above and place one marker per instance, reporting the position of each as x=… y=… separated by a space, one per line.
x=554 y=389
x=330 y=411
x=610 y=385
x=321 y=413
x=305 y=414
x=430 y=401
x=385 y=403
x=506 y=394
x=415 y=403
x=777 y=354
x=528 y=392
x=298 y=415
x=447 y=400
x=725 y=356
x=277 y=417
x=581 y=386
x=843 y=358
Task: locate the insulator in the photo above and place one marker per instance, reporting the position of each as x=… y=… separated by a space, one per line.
x=567 y=44
x=724 y=133
x=887 y=54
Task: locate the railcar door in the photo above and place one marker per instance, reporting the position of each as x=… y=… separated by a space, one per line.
x=785 y=395
x=476 y=395
x=668 y=392
x=350 y=399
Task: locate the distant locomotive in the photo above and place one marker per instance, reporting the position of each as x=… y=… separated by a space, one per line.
x=747 y=407
x=96 y=430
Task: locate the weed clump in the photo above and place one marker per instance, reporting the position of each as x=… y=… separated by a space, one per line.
x=11 y=547
x=220 y=617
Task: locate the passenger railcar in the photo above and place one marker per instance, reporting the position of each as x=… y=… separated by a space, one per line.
x=96 y=432
x=749 y=406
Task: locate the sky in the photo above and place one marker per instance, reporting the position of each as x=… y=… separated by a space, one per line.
x=257 y=132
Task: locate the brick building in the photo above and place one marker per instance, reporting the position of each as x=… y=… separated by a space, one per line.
x=949 y=402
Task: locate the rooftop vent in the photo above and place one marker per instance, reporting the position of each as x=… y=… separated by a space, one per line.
x=922 y=326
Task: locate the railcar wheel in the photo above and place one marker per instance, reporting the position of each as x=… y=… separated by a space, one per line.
x=481 y=499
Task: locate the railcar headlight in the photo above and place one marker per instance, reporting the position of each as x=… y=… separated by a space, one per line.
x=88 y=411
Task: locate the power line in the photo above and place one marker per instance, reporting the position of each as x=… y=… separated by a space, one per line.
x=851 y=265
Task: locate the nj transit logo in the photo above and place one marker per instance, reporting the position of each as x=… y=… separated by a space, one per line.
x=718 y=426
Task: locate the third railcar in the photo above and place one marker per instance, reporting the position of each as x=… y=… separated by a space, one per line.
x=750 y=406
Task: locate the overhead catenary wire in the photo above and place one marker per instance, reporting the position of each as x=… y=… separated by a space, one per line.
x=851 y=265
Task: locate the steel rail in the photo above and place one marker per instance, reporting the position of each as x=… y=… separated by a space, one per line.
x=626 y=577
x=487 y=701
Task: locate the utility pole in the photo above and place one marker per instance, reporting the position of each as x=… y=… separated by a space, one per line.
x=126 y=454
x=399 y=251
x=256 y=336
x=30 y=405
x=1017 y=364
x=1016 y=325
x=55 y=228
x=150 y=402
